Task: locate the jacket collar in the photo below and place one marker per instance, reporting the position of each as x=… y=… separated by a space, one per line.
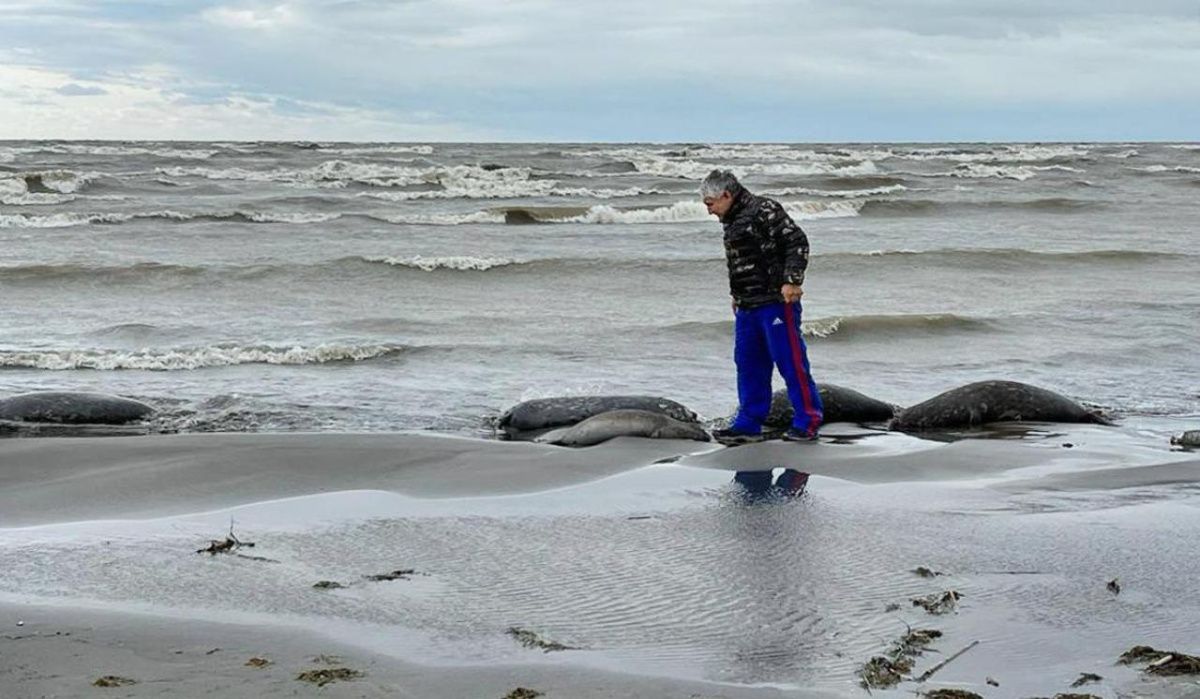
x=740 y=200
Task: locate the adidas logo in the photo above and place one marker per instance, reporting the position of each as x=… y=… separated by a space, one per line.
x=778 y=321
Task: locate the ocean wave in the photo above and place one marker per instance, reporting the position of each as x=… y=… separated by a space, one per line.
x=66 y=220
x=112 y=150
x=533 y=188
x=695 y=170
x=992 y=257
x=1123 y=154
x=919 y=207
x=1156 y=169
x=60 y=220
x=1184 y=146
x=46 y=181
x=193 y=358
x=679 y=212
x=840 y=193
x=481 y=180
x=377 y=148
x=458 y=263
x=134 y=273
x=980 y=171
x=853 y=327
x=14 y=191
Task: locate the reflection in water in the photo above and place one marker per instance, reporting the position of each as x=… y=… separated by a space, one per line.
x=758 y=483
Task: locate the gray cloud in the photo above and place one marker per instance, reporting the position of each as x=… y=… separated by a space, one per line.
x=498 y=64
x=74 y=90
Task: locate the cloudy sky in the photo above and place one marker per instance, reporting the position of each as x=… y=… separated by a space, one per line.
x=611 y=70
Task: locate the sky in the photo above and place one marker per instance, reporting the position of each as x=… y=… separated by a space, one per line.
x=601 y=70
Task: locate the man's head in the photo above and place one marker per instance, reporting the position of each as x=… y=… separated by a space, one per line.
x=719 y=190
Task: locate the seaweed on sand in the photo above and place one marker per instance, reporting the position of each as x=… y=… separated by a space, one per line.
x=1162 y=662
x=113 y=681
x=951 y=694
x=939 y=603
x=531 y=639
x=888 y=670
x=523 y=693
x=324 y=676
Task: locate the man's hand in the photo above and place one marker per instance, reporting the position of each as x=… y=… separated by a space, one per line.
x=791 y=293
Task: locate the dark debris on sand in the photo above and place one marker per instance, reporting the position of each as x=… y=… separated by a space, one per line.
x=523 y=693
x=328 y=585
x=257 y=662
x=1085 y=678
x=942 y=603
x=230 y=545
x=1162 y=662
x=405 y=574
x=951 y=694
x=324 y=676
x=113 y=681
x=926 y=572
x=885 y=671
x=530 y=639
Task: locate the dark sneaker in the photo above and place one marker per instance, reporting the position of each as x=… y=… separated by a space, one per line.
x=732 y=437
x=795 y=435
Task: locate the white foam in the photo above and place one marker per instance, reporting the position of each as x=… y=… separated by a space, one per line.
x=461 y=263
x=443 y=219
x=1166 y=168
x=692 y=169
x=348 y=150
x=61 y=220
x=1059 y=168
x=694 y=211
x=192 y=358
x=14 y=192
x=1130 y=153
x=841 y=193
x=980 y=171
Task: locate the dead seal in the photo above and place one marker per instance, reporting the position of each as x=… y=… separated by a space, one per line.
x=841 y=404
x=985 y=402
x=73 y=408
x=625 y=423
x=528 y=420
x=1189 y=439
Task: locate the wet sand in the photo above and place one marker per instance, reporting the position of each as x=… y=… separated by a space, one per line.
x=667 y=580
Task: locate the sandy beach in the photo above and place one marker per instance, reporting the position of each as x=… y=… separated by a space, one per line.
x=658 y=576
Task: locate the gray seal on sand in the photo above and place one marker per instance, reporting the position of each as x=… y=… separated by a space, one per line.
x=528 y=420
x=625 y=423
x=1190 y=439
x=73 y=408
x=840 y=404
x=984 y=402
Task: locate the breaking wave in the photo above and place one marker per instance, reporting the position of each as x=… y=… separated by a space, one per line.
x=194 y=358
x=1155 y=169
x=65 y=220
x=841 y=193
x=921 y=207
x=854 y=327
x=458 y=263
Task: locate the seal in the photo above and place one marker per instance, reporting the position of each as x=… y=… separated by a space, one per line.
x=529 y=420
x=625 y=423
x=984 y=402
x=73 y=408
x=1189 y=439
x=841 y=404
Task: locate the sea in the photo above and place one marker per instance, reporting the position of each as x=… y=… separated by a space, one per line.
x=365 y=287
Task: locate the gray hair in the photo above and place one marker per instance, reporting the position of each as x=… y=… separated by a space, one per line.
x=720 y=181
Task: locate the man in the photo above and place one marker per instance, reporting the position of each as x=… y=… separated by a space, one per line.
x=767 y=255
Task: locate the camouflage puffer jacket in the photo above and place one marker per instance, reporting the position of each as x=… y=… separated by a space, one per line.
x=764 y=248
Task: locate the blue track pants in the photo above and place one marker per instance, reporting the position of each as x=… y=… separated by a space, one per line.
x=767 y=337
